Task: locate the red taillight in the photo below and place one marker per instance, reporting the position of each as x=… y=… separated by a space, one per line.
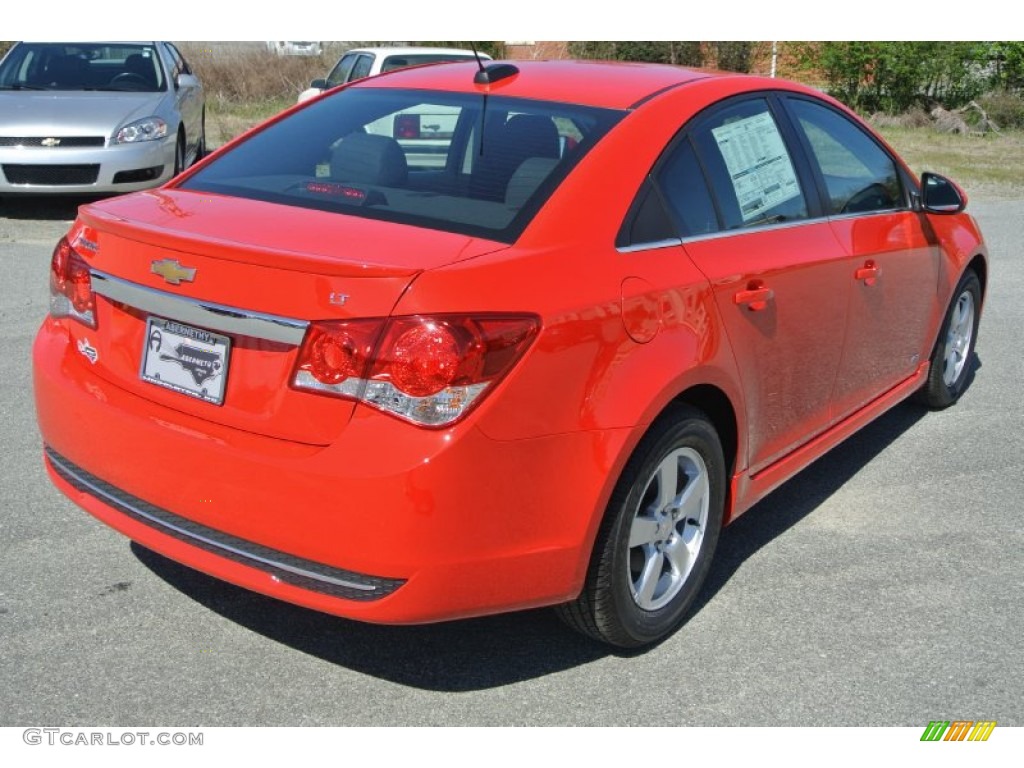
x=429 y=370
x=333 y=359
x=407 y=126
x=335 y=352
x=426 y=356
x=71 y=286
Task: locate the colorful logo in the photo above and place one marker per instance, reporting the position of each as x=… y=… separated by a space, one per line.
x=958 y=730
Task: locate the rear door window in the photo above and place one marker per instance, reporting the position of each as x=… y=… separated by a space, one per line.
x=682 y=182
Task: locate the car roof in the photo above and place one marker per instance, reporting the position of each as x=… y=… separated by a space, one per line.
x=614 y=85
x=413 y=50
x=91 y=42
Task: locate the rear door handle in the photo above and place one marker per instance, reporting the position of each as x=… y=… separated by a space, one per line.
x=868 y=273
x=755 y=297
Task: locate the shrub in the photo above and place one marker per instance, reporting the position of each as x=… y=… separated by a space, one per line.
x=1006 y=110
x=892 y=77
x=662 y=52
x=914 y=118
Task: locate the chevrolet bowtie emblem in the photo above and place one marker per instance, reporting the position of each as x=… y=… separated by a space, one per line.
x=172 y=271
x=50 y=142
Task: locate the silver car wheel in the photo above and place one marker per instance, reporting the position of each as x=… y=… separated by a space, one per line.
x=658 y=535
x=958 y=338
x=668 y=528
x=949 y=365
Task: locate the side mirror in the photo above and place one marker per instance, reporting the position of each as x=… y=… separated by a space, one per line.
x=318 y=83
x=940 y=195
x=186 y=81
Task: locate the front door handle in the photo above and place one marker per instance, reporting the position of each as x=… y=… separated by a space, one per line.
x=755 y=297
x=868 y=273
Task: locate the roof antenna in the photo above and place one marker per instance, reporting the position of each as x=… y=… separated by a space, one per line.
x=492 y=73
x=476 y=54
x=483 y=112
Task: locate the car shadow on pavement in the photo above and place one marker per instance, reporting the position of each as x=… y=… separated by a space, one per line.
x=488 y=652
x=797 y=498
x=43 y=208
x=457 y=656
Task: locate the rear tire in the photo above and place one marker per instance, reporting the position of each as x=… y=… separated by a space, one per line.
x=658 y=536
x=953 y=355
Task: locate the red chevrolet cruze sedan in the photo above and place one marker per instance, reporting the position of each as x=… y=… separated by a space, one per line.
x=461 y=339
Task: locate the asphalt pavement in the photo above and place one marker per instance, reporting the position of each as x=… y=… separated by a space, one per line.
x=880 y=587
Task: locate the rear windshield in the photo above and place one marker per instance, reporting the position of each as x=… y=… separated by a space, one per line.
x=449 y=161
x=82 y=67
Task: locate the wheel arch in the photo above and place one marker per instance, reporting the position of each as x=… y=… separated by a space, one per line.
x=717 y=406
x=597 y=599
x=714 y=402
x=980 y=266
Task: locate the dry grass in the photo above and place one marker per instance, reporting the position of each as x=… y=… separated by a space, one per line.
x=248 y=72
x=227 y=119
x=245 y=83
x=988 y=167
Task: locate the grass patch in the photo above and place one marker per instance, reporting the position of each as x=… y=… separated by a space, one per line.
x=245 y=83
x=988 y=167
x=226 y=119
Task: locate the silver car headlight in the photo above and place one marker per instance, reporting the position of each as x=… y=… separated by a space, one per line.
x=147 y=129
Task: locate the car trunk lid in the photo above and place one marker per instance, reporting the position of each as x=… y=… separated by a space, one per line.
x=203 y=300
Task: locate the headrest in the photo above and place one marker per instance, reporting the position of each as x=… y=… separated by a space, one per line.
x=365 y=158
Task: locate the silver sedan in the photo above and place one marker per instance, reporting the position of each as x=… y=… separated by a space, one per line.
x=81 y=118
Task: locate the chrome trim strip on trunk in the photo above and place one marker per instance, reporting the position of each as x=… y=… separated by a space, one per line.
x=205 y=314
x=297 y=571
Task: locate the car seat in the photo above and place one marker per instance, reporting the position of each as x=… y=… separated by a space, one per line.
x=366 y=158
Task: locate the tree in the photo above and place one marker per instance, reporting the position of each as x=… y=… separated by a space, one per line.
x=1008 y=65
x=734 y=55
x=661 y=52
x=492 y=48
x=895 y=76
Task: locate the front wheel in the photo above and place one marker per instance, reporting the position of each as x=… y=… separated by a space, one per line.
x=658 y=536
x=201 y=146
x=179 y=154
x=951 y=358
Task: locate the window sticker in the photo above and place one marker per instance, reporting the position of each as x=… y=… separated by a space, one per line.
x=758 y=164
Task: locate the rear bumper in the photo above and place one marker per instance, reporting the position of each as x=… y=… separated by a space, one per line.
x=389 y=524
x=280 y=565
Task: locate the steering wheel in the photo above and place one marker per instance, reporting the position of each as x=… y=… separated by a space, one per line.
x=873 y=197
x=129 y=77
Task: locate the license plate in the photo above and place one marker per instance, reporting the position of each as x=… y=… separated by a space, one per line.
x=188 y=360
